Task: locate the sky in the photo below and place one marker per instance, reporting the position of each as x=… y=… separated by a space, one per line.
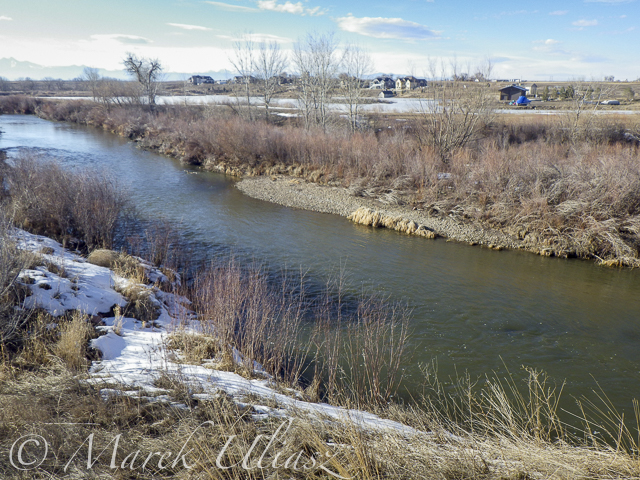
x=542 y=40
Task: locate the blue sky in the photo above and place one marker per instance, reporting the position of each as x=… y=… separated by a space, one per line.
x=536 y=40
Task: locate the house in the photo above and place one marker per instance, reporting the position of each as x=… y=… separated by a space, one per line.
x=350 y=80
x=512 y=92
x=385 y=94
x=285 y=79
x=200 y=79
x=382 y=83
x=410 y=83
x=533 y=89
x=241 y=80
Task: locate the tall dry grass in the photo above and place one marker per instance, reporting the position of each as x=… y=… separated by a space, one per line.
x=523 y=175
x=359 y=350
x=12 y=261
x=242 y=309
x=80 y=208
x=71 y=346
x=492 y=436
x=343 y=352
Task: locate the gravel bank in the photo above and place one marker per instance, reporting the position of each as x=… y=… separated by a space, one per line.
x=298 y=193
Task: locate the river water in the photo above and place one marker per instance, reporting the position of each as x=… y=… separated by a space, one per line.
x=474 y=309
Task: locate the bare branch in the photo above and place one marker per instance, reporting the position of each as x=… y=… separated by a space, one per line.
x=269 y=64
x=147 y=72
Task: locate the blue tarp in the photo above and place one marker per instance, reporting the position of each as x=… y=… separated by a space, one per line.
x=523 y=101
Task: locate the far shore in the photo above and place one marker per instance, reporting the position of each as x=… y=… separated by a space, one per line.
x=299 y=193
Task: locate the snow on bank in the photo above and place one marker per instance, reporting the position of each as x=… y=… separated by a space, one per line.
x=134 y=353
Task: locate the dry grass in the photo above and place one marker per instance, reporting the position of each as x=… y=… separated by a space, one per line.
x=196 y=347
x=491 y=436
x=242 y=309
x=366 y=216
x=12 y=261
x=141 y=303
x=80 y=209
x=103 y=257
x=497 y=428
x=572 y=192
x=72 y=343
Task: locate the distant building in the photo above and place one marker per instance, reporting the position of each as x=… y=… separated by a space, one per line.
x=241 y=80
x=200 y=79
x=533 y=89
x=285 y=79
x=410 y=83
x=512 y=92
x=385 y=94
x=382 y=83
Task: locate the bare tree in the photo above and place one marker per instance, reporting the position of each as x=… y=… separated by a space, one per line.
x=243 y=62
x=184 y=81
x=269 y=63
x=317 y=62
x=26 y=84
x=147 y=72
x=585 y=99
x=92 y=77
x=4 y=84
x=454 y=115
x=49 y=83
x=484 y=70
x=356 y=63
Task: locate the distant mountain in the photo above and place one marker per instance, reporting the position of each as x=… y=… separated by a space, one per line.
x=14 y=69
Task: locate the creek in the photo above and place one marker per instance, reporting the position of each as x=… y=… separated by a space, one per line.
x=473 y=309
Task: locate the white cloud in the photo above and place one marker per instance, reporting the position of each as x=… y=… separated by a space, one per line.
x=559 y=12
x=386 y=28
x=549 y=46
x=257 y=37
x=233 y=8
x=188 y=27
x=288 y=7
x=124 y=39
x=585 y=23
x=4 y=17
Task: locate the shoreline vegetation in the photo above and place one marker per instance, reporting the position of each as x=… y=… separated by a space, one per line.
x=544 y=185
x=54 y=384
x=498 y=427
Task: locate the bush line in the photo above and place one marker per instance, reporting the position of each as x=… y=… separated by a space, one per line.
x=569 y=199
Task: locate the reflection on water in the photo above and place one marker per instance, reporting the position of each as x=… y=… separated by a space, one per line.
x=473 y=308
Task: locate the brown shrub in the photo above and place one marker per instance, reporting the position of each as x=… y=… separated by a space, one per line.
x=80 y=206
x=519 y=175
x=103 y=258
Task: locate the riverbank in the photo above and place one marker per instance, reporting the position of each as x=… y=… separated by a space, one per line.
x=522 y=184
x=158 y=385
x=337 y=200
x=499 y=441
